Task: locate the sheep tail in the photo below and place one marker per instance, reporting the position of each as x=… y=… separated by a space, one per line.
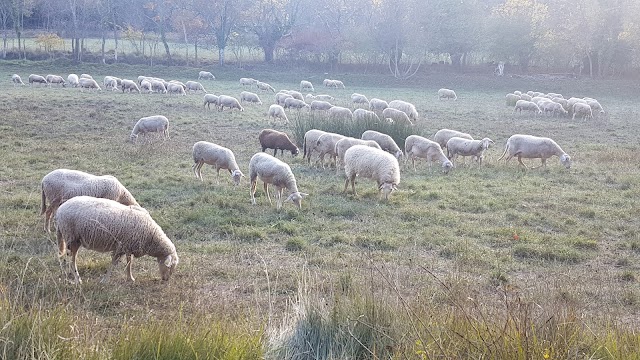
x=506 y=147
x=43 y=204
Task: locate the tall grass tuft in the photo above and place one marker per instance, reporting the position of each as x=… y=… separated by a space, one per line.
x=304 y=122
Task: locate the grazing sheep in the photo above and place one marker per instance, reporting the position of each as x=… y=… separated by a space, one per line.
x=320 y=105
x=107 y=79
x=396 y=115
x=583 y=110
x=184 y=87
x=277 y=111
x=273 y=171
x=306 y=85
x=517 y=92
x=146 y=85
x=194 y=86
x=465 y=147
x=110 y=83
x=526 y=97
x=73 y=80
x=377 y=104
x=339 y=112
x=282 y=97
x=206 y=75
x=359 y=99
x=419 y=147
x=447 y=94
x=265 y=87
x=210 y=99
x=321 y=97
x=158 y=86
x=595 y=106
x=217 y=156
x=512 y=99
x=129 y=86
x=33 y=78
x=174 y=88
x=16 y=79
x=230 y=102
x=372 y=163
x=309 y=143
x=56 y=79
x=560 y=101
x=277 y=140
x=407 y=107
x=345 y=143
x=250 y=97
x=86 y=76
x=86 y=83
x=526 y=105
x=294 y=94
x=248 y=81
x=326 y=144
x=149 y=124
x=333 y=83
x=443 y=135
x=385 y=141
x=295 y=104
x=572 y=101
x=362 y=115
x=539 y=99
x=61 y=185
x=104 y=225
x=533 y=147
x=553 y=108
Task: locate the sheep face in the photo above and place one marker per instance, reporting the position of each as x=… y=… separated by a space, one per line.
x=295 y=151
x=296 y=198
x=447 y=166
x=236 y=175
x=167 y=266
x=566 y=161
x=386 y=189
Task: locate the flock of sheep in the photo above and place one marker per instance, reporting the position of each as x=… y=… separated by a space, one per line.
x=99 y=213
x=553 y=104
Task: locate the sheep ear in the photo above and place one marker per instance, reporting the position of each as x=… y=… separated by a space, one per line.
x=170 y=260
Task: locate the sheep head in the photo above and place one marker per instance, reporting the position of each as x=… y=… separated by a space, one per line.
x=386 y=189
x=236 y=175
x=167 y=265
x=447 y=166
x=296 y=198
x=565 y=160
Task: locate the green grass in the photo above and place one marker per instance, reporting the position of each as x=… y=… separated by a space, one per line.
x=492 y=260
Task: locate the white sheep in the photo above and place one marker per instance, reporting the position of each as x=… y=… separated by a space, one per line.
x=281 y=97
x=149 y=124
x=527 y=105
x=447 y=94
x=55 y=79
x=265 y=87
x=553 y=108
x=595 y=106
x=326 y=145
x=572 y=101
x=210 y=99
x=512 y=99
x=110 y=80
x=248 y=81
x=73 y=80
x=340 y=113
x=146 y=85
x=184 y=87
x=158 y=86
x=273 y=171
x=583 y=110
x=194 y=86
x=533 y=147
x=61 y=185
x=407 y=107
x=250 y=97
x=372 y=163
x=86 y=76
x=464 y=147
x=306 y=86
x=385 y=141
x=174 y=88
x=277 y=112
x=324 y=97
x=398 y=116
x=217 y=156
x=130 y=86
x=86 y=83
x=295 y=104
x=206 y=75
x=345 y=143
x=443 y=135
x=230 y=102
x=526 y=97
x=419 y=147
x=359 y=99
x=294 y=94
x=16 y=79
x=333 y=83
x=309 y=143
x=34 y=78
x=376 y=104
x=104 y=225
x=320 y=105
x=363 y=115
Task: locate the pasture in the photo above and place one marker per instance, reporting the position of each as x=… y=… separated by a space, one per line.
x=484 y=262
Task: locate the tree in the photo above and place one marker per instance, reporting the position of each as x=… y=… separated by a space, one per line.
x=222 y=17
x=192 y=26
x=271 y=20
x=20 y=9
x=159 y=12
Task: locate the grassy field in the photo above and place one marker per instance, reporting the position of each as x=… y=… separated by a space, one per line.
x=490 y=262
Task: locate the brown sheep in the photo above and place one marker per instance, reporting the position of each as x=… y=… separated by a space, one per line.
x=276 y=140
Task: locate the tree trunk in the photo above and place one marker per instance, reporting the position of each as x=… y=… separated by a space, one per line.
x=115 y=38
x=268 y=52
x=104 y=40
x=163 y=37
x=195 y=45
x=4 y=44
x=221 y=56
x=18 y=36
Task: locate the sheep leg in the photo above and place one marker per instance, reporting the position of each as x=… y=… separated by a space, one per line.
x=543 y=164
x=346 y=185
x=521 y=163
x=278 y=196
x=353 y=184
x=266 y=190
x=115 y=259
x=129 y=262
x=254 y=184
x=218 y=176
x=74 y=247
